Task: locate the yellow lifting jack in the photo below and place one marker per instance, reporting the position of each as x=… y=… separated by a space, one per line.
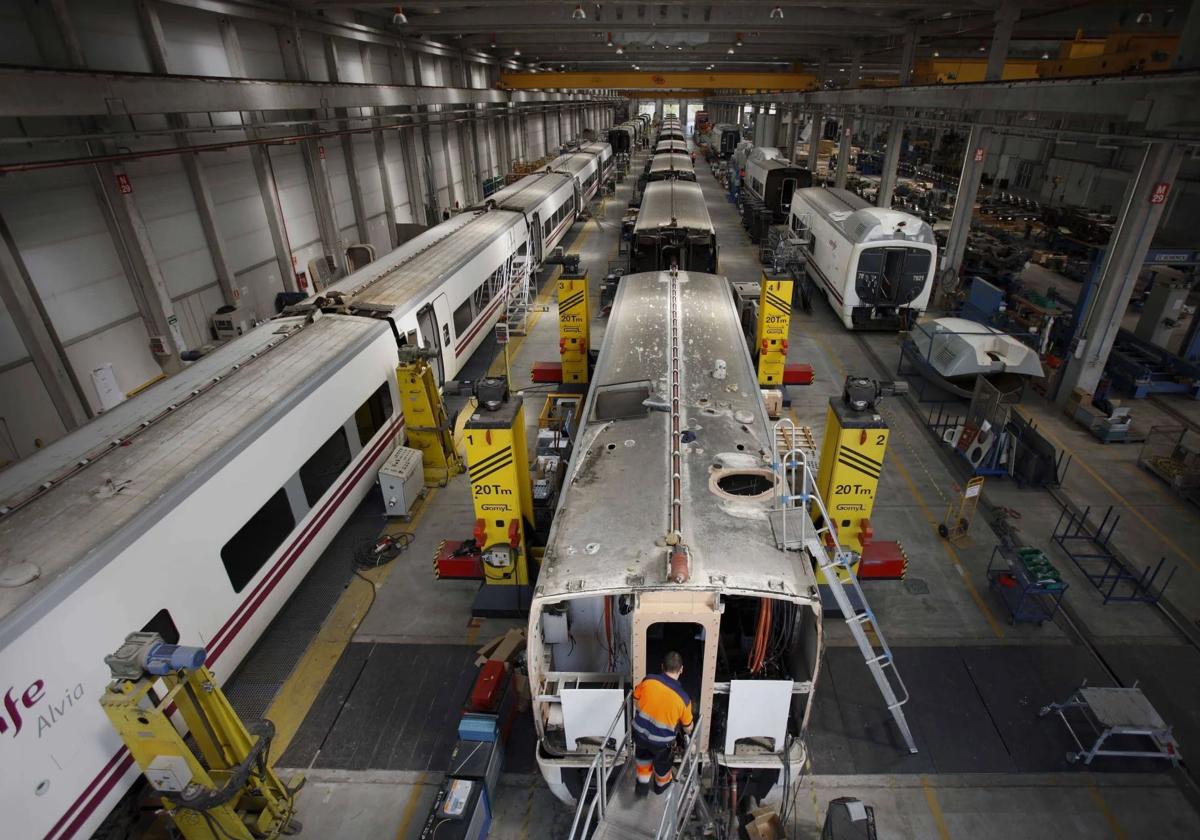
x=227 y=791
x=426 y=421
x=502 y=495
x=774 y=320
x=574 y=334
x=574 y=341
x=852 y=451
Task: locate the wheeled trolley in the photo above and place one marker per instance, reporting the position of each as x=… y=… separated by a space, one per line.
x=1123 y=724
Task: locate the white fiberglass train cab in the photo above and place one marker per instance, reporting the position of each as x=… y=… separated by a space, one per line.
x=192 y=510
x=875 y=266
x=662 y=541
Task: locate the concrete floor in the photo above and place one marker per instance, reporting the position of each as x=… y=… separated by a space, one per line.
x=951 y=608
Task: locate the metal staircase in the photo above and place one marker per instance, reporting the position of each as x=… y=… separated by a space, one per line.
x=609 y=808
x=794 y=468
x=520 y=296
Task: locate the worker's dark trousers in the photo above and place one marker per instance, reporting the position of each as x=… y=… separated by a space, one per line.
x=653 y=759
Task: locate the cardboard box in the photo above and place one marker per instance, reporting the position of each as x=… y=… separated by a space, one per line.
x=765 y=825
x=774 y=400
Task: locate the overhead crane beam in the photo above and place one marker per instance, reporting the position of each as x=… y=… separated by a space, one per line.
x=664 y=81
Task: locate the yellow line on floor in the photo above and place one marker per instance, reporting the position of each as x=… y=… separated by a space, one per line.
x=953 y=555
x=935 y=809
x=1116 y=494
x=299 y=691
x=1109 y=817
x=410 y=807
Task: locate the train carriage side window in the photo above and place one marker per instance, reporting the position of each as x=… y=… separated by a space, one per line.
x=549 y=227
x=252 y=546
x=374 y=413
x=163 y=625
x=463 y=317
x=324 y=466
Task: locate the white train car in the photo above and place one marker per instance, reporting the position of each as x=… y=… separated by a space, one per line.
x=607 y=161
x=584 y=168
x=725 y=139
x=773 y=180
x=547 y=200
x=622 y=139
x=681 y=555
x=875 y=266
x=192 y=510
x=673 y=228
x=447 y=287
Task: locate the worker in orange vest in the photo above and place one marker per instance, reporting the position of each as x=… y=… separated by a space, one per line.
x=662 y=707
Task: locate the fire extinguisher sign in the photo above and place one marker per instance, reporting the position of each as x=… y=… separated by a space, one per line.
x=1158 y=195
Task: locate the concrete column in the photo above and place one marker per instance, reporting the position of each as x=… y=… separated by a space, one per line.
x=447 y=127
x=295 y=67
x=843 y=158
x=259 y=161
x=37 y=333
x=1006 y=17
x=908 y=56
x=964 y=201
x=817 y=118
x=545 y=132
x=154 y=300
x=381 y=161
x=1141 y=211
x=201 y=195
x=978 y=142
x=891 y=161
x=356 y=196
x=1187 y=56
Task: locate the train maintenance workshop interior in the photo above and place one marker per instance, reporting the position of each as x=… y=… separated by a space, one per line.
x=456 y=419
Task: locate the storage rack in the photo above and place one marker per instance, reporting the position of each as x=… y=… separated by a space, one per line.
x=1027 y=584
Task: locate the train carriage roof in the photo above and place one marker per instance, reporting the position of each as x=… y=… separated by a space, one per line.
x=530 y=191
x=422 y=265
x=673 y=202
x=859 y=221
x=622 y=454
x=668 y=162
x=80 y=523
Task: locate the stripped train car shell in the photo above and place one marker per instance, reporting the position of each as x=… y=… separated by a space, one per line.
x=208 y=497
x=673 y=228
x=664 y=166
x=774 y=181
x=606 y=565
x=671 y=147
x=875 y=266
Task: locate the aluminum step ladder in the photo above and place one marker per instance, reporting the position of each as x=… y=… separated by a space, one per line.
x=796 y=480
x=520 y=296
x=609 y=808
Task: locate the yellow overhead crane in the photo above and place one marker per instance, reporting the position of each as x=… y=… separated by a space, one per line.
x=663 y=81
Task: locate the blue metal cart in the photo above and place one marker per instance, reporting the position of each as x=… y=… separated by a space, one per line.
x=1027 y=597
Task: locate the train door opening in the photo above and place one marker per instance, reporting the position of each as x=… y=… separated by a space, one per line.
x=535 y=233
x=785 y=194
x=893 y=272
x=687 y=639
x=431 y=338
